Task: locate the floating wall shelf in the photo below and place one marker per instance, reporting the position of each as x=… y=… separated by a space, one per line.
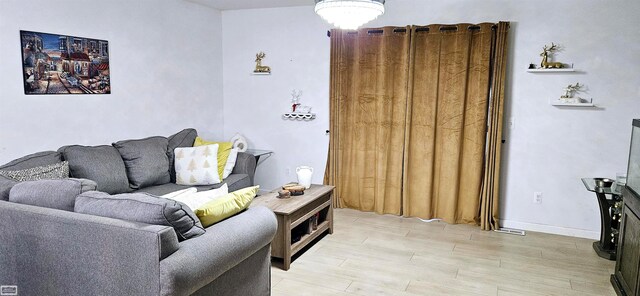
x=551 y=70
x=299 y=116
x=558 y=103
x=260 y=73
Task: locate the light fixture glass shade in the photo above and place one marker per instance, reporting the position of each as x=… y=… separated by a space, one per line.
x=349 y=14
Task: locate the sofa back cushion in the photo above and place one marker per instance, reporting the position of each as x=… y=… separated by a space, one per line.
x=51 y=171
x=102 y=164
x=33 y=160
x=184 y=138
x=146 y=161
x=5 y=187
x=26 y=162
x=56 y=194
x=142 y=207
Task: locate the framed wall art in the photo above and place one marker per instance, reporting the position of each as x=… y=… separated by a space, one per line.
x=61 y=64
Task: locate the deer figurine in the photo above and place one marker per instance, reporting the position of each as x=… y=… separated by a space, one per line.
x=259 y=67
x=545 y=64
x=570 y=90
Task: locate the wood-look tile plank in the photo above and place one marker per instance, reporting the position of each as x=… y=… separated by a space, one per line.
x=567 y=272
x=451 y=287
x=495 y=251
x=364 y=289
x=500 y=276
x=405 y=272
x=408 y=244
x=368 y=275
x=605 y=290
x=288 y=287
x=513 y=289
x=316 y=277
x=366 y=252
x=453 y=259
x=326 y=260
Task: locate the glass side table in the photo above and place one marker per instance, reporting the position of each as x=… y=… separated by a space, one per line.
x=609 y=217
x=258 y=153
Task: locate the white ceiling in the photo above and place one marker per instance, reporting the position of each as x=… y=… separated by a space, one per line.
x=249 y=4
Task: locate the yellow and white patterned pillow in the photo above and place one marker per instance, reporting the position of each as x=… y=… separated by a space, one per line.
x=197 y=165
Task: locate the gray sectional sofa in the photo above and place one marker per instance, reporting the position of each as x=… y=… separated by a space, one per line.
x=56 y=251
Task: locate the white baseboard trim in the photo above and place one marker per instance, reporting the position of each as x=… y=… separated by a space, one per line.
x=551 y=229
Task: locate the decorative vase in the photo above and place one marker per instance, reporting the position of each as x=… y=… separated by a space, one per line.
x=304 y=176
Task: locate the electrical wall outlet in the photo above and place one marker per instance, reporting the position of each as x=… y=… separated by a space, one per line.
x=287 y=171
x=537 y=197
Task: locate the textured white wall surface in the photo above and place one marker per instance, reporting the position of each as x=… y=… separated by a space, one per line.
x=548 y=149
x=165 y=62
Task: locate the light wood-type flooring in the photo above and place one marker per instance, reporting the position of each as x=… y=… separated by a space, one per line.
x=371 y=254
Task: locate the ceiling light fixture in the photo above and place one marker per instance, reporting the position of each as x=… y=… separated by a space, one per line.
x=349 y=14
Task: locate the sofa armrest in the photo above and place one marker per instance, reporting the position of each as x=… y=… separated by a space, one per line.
x=201 y=260
x=53 y=252
x=245 y=164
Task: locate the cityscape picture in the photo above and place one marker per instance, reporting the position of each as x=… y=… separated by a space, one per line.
x=60 y=64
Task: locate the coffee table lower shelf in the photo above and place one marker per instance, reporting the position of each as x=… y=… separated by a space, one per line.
x=307 y=238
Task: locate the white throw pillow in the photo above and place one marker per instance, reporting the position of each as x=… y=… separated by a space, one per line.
x=231 y=162
x=194 y=199
x=180 y=192
x=197 y=165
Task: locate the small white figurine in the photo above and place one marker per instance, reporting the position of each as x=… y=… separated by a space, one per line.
x=295 y=99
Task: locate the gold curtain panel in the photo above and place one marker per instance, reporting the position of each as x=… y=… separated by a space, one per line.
x=409 y=114
x=368 y=103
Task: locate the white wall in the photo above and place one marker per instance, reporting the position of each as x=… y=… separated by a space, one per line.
x=548 y=149
x=297 y=48
x=165 y=62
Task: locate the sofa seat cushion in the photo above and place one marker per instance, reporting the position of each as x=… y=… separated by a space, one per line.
x=102 y=164
x=141 y=207
x=145 y=161
x=183 y=138
x=56 y=194
x=234 y=181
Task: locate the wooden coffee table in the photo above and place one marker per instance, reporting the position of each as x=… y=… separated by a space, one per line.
x=294 y=215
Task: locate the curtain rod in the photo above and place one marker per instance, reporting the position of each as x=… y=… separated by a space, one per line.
x=374 y=31
x=418 y=29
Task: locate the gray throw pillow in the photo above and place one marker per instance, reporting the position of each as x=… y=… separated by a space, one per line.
x=102 y=164
x=142 y=207
x=184 y=138
x=145 y=160
x=33 y=160
x=56 y=194
x=52 y=171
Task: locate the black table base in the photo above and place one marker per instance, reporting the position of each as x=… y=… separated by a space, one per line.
x=608 y=243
